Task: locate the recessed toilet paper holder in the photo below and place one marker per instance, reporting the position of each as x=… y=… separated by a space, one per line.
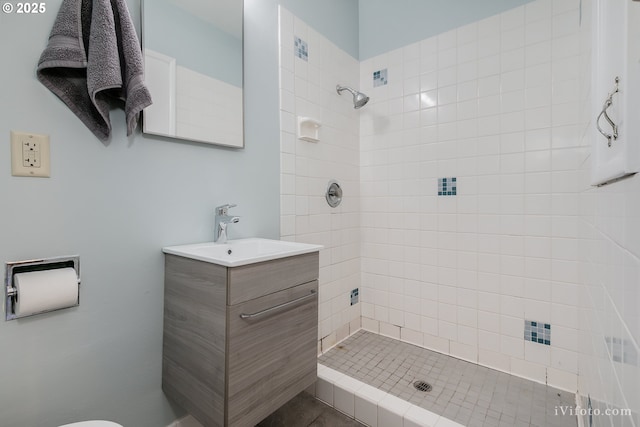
x=13 y=268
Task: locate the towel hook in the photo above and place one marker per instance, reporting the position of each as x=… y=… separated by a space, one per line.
x=607 y=103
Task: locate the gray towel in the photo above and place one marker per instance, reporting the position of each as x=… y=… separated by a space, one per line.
x=93 y=58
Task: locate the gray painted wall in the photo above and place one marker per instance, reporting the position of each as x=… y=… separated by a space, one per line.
x=386 y=25
x=117 y=206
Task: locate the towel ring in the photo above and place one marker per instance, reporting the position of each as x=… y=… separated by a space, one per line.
x=607 y=103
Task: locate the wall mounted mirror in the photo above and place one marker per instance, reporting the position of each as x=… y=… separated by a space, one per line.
x=193 y=68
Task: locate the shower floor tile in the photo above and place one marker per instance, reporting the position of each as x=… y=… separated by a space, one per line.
x=470 y=394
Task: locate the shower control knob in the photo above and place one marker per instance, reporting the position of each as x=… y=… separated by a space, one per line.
x=333 y=194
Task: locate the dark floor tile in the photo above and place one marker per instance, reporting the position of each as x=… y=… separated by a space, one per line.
x=299 y=411
x=305 y=410
x=333 y=418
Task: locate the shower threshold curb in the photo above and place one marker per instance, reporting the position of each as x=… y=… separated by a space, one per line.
x=370 y=405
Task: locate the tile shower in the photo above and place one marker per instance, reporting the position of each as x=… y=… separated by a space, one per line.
x=310 y=69
x=468 y=223
x=464 y=392
x=496 y=105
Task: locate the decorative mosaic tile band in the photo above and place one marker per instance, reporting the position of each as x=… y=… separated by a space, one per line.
x=300 y=48
x=380 y=78
x=537 y=332
x=354 y=296
x=447 y=186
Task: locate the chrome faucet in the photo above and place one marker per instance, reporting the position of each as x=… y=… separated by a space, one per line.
x=223 y=219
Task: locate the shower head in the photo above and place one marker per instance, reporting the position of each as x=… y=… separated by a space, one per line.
x=359 y=98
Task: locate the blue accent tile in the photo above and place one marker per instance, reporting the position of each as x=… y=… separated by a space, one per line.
x=380 y=78
x=301 y=49
x=447 y=187
x=537 y=332
x=354 y=296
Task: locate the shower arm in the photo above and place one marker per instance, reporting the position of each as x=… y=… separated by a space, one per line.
x=339 y=89
x=359 y=98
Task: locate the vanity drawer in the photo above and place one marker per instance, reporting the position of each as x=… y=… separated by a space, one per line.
x=283 y=332
x=256 y=280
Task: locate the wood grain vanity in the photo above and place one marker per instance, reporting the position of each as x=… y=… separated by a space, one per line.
x=239 y=342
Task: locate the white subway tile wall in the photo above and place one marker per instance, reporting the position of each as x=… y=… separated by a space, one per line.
x=308 y=79
x=483 y=103
x=608 y=268
x=502 y=104
x=608 y=316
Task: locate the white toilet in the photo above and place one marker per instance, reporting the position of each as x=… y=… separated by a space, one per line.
x=95 y=423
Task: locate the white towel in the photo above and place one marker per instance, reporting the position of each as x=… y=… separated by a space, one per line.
x=92 y=59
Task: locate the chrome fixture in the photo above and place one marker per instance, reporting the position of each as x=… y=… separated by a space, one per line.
x=359 y=98
x=223 y=219
x=607 y=103
x=333 y=195
x=266 y=311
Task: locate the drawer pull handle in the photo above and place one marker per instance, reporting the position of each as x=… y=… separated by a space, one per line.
x=277 y=307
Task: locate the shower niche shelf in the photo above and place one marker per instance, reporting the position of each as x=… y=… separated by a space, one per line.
x=309 y=129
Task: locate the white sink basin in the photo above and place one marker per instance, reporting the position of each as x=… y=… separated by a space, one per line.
x=242 y=251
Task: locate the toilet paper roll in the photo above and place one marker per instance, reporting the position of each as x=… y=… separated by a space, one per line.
x=47 y=290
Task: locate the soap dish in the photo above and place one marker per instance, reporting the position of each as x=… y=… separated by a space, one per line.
x=308 y=129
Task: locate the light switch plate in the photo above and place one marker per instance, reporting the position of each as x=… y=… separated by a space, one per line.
x=30 y=155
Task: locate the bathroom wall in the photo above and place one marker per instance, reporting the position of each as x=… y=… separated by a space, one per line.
x=492 y=108
x=609 y=359
x=310 y=68
x=337 y=20
x=609 y=334
x=383 y=28
x=117 y=205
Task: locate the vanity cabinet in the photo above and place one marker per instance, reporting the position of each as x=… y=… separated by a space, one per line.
x=239 y=342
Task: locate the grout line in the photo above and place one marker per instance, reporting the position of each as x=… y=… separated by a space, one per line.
x=364 y=350
x=578 y=410
x=339 y=342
